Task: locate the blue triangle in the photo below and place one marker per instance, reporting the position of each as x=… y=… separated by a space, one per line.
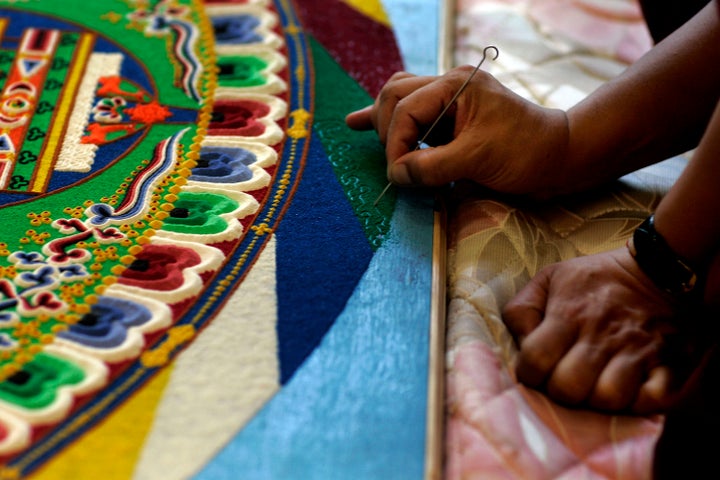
x=6 y=145
x=31 y=65
x=322 y=252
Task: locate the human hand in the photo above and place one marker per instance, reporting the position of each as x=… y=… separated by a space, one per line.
x=596 y=331
x=489 y=135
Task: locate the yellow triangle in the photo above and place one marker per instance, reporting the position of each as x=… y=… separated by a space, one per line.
x=111 y=449
x=371 y=8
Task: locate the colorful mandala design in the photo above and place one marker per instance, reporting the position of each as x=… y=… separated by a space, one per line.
x=148 y=150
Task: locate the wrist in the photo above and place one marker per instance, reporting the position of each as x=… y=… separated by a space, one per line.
x=590 y=148
x=553 y=160
x=668 y=270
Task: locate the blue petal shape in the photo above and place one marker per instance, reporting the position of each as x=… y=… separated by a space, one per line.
x=25 y=259
x=236 y=29
x=107 y=324
x=223 y=165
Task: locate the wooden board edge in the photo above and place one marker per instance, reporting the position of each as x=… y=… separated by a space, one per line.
x=435 y=422
x=446 y=36
x=435 y=435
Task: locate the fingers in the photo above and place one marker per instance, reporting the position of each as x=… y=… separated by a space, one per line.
x=525 y=311
x=414 y=113
x=655 y=394
x=391 y=103
x=543 y=339
x=360 y=119
x=667 y=384
x=541 y=351
x=575 y=375
x=379 y=115
x=630 y=379
x=603 y=379
x=609 y=374
x=607 y=378
x=620 y=381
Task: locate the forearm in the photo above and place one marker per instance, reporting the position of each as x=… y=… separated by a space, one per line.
x=657 y=108
x=689 y=215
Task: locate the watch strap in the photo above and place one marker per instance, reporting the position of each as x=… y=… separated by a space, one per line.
x=668 y=270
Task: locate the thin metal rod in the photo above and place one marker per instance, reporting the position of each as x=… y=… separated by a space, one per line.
x=444 y=110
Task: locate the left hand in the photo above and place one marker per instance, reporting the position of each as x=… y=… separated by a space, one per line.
x=596 y=331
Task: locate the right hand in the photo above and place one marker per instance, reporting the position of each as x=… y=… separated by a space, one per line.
x=490 y=135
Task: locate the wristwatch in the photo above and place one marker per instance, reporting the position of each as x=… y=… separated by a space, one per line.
x=668 y=270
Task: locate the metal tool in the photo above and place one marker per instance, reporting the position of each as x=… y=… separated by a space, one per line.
x=442 y=113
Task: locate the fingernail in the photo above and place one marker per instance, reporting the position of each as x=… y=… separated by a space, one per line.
x=400 y=175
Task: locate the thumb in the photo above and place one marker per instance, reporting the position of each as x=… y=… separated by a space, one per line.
x=431 y=167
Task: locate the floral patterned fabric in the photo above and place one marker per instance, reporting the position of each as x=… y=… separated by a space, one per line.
x=554 y=52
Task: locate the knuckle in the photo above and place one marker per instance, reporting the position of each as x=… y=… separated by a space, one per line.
x=398 y=76
x=389 y=93
x=513 y=309
x=648 y=404
x=533 y=365
x=609 y=397
x=462 y=71
x=402 y=105
x=566 y=391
